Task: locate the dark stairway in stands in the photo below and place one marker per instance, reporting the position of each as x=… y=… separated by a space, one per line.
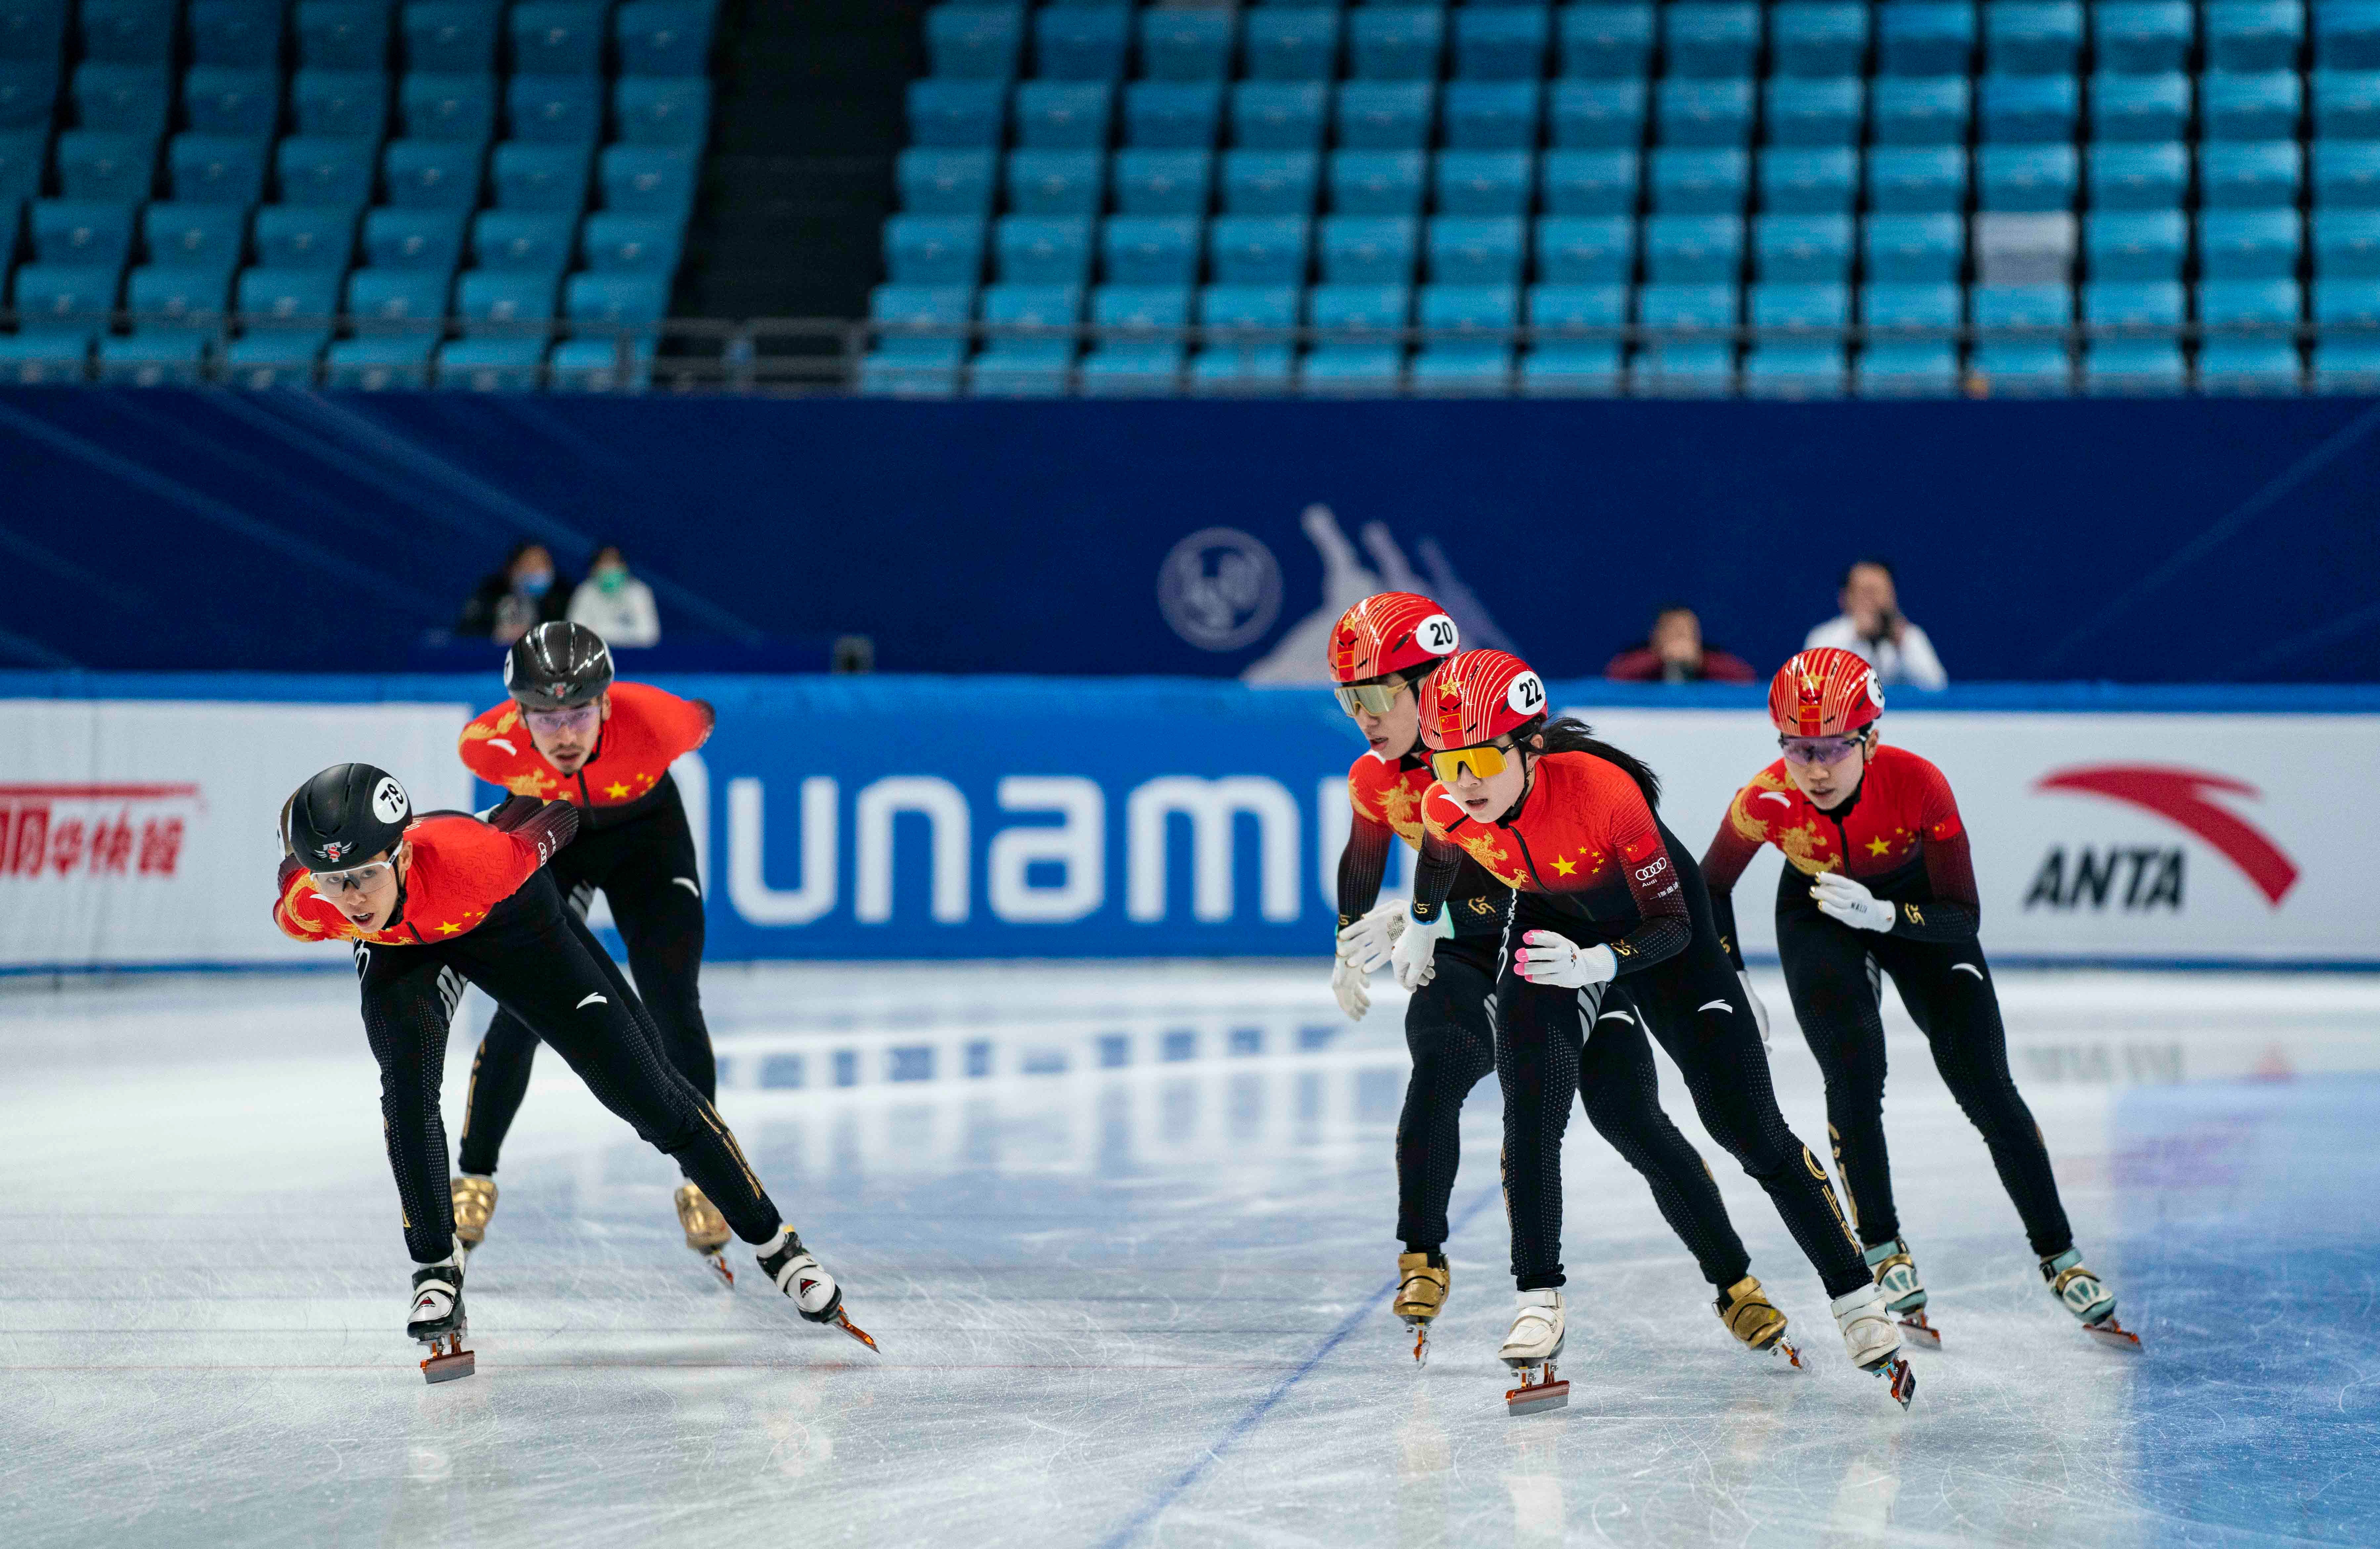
x=790 y=219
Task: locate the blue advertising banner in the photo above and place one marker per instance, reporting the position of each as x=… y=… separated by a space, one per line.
x=889 y=818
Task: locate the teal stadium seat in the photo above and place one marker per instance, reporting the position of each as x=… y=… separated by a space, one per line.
x=1597 y=115
x=1371 y=250
x=96 y=165
x=1298 y=42
x=2140 y=108
x=920 y=354
x=524 y=241
x=557 y=38
x=1813 y=111
x=121 y=98
x=2032 y=37
x=1492 y=114
x=323 y=170
x=963 y=115
x=1804 y=249
x=458 y=108
x=650 y=110
x=240 y=34
x=1501 y=43
x=194 y=237
x=433 y=174
x=349 y=104
x=1063 y=114
x=1817 y=41
x=1172 y=114
x=1605 y=42
x=2133 y=38
x=319 y=237
x=1694 y=181
x=449 y=37
x=427 y=240
x=1692 y=249
x=342 y=34
x=217 y=169
x=555 y=110
x=1395 y=42
x=1076 y=43
x=2135 y=245
x=1149 y=250
x=1179 y=43
x=1056 y=182
x=128 y=31
x=1590 y=181
x=1146 y=361
x=1485 y=182
x=662 y=38
x=1271 y=182
x=1385 y=115
x=1928 y=110
x=934 y=249
x=1914 y=249
x=1259 y=250
x=232 y=100
x=647 y=179
x=1714 y=41
x=1585 y=249
x=1163 y=182
x=83 y=232
x=630 y=245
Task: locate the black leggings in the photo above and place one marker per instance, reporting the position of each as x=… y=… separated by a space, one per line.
x=1548 y=1047
x=1948 y=988
x=645 y=868
x=539 y=961
x=1449 y=1029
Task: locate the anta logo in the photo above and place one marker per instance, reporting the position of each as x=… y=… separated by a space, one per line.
x=2182 y=798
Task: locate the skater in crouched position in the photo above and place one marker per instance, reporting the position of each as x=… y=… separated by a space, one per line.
x=437 y=902
x=569 y=732
x=1378 y=654
x=1878 y=883
x=1609 y=924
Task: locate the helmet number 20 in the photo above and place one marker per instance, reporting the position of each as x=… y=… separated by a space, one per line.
x=1436 y=635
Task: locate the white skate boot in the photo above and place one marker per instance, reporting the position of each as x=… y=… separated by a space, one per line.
x=436 y=1319
x=793 y=1270
x=1896 y=1276
x=1873 y=1340
x=1530 y=1348
x=2088 y=1297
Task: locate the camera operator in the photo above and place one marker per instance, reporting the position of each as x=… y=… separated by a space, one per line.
x=1871 y=627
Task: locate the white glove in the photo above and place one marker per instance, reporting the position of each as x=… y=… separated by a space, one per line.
x=1547 y=959
x=1845 y=899
x=1759 y=1011
x=1351 y=984
x=1414 y=948
x=1365 y=942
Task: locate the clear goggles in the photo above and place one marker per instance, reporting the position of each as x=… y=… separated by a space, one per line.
x=577 y=718
x=1372 y=698
x=1819 y=750
x=1485 y=762
x=353 y=880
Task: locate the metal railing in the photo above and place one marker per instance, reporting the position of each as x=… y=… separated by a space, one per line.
x=833 y=356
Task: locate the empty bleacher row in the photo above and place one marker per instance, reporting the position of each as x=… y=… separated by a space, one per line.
x=1911 y=196
x=271 y=193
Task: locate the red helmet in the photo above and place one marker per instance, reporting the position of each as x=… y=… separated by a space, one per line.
x=1824 y=692
x=1389 y=631
x=1475 y=697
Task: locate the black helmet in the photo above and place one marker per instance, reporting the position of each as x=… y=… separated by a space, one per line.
x=345 y=816
x=557 y=666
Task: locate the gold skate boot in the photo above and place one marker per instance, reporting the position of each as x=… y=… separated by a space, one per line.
x=1421 y=1292
x=706 y=1229
x=1753 y=1318
x=475 y=1200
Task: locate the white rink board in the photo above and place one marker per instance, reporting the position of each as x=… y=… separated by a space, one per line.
x=194 y=787
x=2310 y=792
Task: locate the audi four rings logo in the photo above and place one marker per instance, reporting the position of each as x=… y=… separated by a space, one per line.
x=1646 y=873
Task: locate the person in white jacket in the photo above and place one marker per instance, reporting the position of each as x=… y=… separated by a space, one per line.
x=615 y=604
x=1872 y=628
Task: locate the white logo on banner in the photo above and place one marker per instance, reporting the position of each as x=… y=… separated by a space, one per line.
x=1220 y=588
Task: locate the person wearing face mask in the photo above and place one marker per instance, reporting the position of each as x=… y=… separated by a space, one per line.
x=569 y=732
x=615 y=604
x=1609 y=923
x=1879 y=882
x=433 y=901
x=526 y=592
x=1378 y=653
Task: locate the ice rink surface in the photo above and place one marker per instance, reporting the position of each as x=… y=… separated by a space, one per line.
x=1123 y=1233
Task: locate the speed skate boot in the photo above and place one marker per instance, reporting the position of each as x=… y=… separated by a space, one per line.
x=1753 y=1318
x=1423 y=1280
x=2088 y=1297
x=706 y=1229
x=475 y=1200
x=793 y=1270
x=437 y=1319
x=1530 y=1348
x=1896 y=1276
x=1874 y=1341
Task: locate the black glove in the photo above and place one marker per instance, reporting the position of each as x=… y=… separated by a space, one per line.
x=548 y=825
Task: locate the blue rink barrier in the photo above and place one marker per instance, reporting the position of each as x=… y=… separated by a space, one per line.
x=915 y=817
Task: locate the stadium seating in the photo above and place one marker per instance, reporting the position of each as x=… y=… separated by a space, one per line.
x=2021 y=168
x=203 y=177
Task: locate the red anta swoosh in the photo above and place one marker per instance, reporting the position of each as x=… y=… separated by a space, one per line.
x=2180 y=796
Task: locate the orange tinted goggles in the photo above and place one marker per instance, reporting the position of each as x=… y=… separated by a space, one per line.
x=1485 y=762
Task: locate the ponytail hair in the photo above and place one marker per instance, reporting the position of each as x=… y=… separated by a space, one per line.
x=1570 y=734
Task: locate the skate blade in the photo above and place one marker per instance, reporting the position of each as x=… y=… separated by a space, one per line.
x=2115 y=1336
x=447 y=1360
x=1916 y=1330
x=718 y=1265
x=1784 y=1350
x=843 y=1321
x=1537 y=1397
x=1421 y=1340
x=1899 y=1381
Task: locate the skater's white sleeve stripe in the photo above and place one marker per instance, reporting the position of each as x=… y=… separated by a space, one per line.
x=1714 y=1006
x=1966 y=968
x=689 y=884
x=1617 y=1016
x=591 y=1000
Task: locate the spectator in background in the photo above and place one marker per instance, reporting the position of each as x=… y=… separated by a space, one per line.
x=1871 y=627
x=528 y=591
x=615 y=604
x=1674 y=653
